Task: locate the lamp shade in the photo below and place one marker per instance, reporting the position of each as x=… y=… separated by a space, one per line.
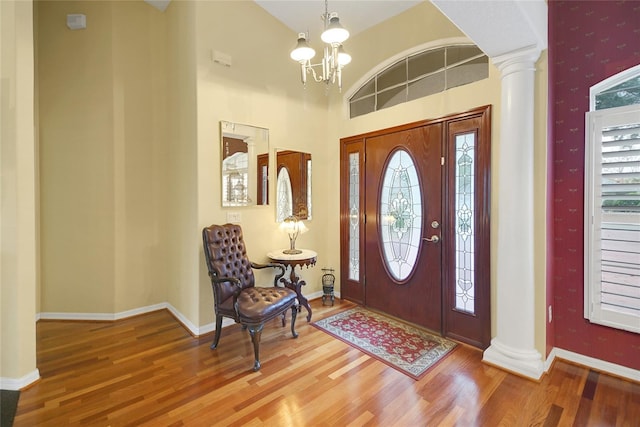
x=335 y=33
x=302 y=52
x=343 y=57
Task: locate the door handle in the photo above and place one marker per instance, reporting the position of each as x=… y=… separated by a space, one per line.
x=434 y=239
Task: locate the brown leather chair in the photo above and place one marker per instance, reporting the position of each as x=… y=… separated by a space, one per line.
x=234 y=292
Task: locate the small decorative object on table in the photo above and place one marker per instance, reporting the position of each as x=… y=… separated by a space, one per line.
x=328 y=281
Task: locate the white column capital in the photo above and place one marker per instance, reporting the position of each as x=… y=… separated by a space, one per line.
x=517 y=61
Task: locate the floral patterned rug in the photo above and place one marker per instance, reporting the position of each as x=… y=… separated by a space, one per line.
x=401 y=346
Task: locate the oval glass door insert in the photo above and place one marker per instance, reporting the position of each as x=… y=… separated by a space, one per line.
x=400 y=213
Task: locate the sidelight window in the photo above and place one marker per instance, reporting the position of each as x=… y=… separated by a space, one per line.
x=464 y=218
x=354 y=216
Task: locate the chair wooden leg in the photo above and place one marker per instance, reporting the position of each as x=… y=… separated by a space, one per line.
x=216 y=339
x=294 y=314
x=256 y=332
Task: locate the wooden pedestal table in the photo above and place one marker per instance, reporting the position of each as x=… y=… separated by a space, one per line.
x=305 y=257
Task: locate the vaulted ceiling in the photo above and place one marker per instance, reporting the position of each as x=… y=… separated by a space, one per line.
x=496 y=26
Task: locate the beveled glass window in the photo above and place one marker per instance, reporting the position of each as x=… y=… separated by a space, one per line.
x=285 y=195
x=464 y=222
x=400 y=215
x=625 y=93
x=354 y=216
x=419 y=75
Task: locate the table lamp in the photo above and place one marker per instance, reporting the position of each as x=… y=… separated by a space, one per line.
x=293 y=227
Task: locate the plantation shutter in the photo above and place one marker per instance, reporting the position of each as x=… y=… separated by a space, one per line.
x=612 y=218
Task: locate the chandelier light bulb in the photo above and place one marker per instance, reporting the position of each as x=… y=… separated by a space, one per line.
x=335 y=33
x=343 y=57
x=302 y=52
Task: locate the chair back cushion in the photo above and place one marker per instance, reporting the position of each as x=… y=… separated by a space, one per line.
x=226 y=256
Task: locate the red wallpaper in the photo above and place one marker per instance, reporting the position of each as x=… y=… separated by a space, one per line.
x=588 y=42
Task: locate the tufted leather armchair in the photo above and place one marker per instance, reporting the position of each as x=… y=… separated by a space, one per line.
x=234 y=292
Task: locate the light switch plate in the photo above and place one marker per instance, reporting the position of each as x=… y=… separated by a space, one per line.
x=234 y=217
x=77 y=21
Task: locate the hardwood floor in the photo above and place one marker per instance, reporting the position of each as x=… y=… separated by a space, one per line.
x=148 y=370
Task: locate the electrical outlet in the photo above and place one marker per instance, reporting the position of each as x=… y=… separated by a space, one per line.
x=550 y=314
x=234 y=217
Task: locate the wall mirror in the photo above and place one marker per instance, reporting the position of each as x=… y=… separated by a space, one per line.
x=245 y=164
x=293 y=184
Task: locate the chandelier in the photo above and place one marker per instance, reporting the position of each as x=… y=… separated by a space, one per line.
x=334 y=59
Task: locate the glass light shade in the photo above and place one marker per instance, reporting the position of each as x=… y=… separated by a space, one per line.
x=335 y=33
x=302 y=52
x=293 y=227
x=343 y=57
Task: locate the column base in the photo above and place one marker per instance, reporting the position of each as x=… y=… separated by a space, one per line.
x=527 y=363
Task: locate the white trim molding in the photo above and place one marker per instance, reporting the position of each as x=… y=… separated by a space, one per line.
x=15 y=384
x=595 y=364
x=101 y=316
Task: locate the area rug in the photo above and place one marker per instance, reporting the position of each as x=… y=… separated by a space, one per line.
x=403 y=347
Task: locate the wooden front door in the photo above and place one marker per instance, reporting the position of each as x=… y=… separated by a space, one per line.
x=414 y=223
x=403 y=211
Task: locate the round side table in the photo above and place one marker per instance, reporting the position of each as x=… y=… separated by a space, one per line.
x=307 y=258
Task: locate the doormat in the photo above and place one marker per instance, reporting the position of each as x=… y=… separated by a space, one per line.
x=408 y=349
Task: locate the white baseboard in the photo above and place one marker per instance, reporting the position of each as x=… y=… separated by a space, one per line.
x=596 y=364
x=101 y=316
x=19 y=383
x=197 y=330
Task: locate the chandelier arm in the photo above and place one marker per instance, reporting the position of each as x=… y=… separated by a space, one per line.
x=310 y=70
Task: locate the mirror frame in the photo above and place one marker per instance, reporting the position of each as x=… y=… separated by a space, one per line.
x=244 y=179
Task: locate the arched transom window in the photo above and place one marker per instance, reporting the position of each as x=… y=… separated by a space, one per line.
x=418 y=75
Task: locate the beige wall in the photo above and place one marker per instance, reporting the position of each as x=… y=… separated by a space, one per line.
x=130 y=111
x=261 y=88
x=102 y=93
x=18 y=239
x=179 y=235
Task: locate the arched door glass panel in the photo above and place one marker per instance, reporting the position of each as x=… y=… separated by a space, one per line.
x=400 y=215
x=284 y=194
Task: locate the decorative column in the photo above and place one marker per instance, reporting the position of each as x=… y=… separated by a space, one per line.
x=513 y=347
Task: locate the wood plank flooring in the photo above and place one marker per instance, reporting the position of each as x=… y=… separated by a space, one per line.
x=149 y=371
